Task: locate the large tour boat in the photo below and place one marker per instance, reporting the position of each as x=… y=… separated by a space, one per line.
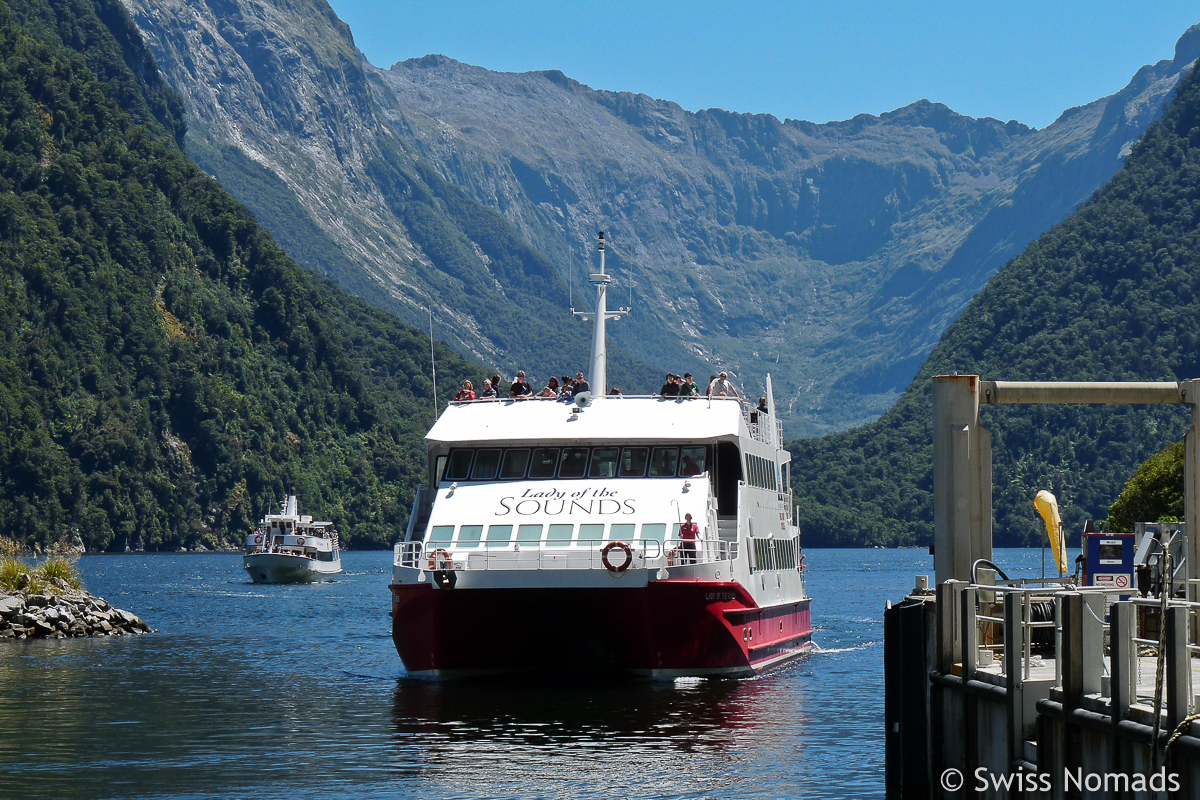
x=290 y=548
x=547 y=537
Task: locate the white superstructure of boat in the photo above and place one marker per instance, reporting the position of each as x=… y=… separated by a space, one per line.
x=291 y=548
x=547 y=538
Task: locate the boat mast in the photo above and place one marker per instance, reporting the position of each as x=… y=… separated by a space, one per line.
x=598 y=378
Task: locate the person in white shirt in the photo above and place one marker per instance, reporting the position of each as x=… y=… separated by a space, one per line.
x=721 y=387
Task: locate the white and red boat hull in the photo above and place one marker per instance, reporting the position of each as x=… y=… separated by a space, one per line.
x=661 y=629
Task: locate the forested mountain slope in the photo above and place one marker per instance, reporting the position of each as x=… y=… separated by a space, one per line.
x=832 y=255
x=166 y=371
x=1111 y=293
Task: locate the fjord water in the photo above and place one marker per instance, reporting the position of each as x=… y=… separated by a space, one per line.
x=296 y=691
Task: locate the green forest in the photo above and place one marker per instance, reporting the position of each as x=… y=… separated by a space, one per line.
x=166 y=371
x=1111 y=293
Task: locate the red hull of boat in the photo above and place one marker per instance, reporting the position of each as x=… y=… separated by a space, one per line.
x=664 y=629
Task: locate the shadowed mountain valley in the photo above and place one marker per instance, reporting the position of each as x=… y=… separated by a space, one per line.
x=832 y=255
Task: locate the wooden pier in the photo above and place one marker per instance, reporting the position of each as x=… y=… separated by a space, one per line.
x=1007 y=689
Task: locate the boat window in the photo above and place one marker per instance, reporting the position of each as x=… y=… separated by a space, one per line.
x=460 y=465
x=441 y=533
x=529 y=533
x=545 y=459
x=486 y=464
x=469 y=535
x=621 y=531
x=633 y=462
x=654 y=530
x=662 y=463
x=574 y=462
x=604 y=462
x=514 y=464
x=560 y=534
x=439 y=470
x=590 y=534
x=692 y=461
x=498 y=535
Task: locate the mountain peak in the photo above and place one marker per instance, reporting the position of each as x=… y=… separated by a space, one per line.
x=1187 y=49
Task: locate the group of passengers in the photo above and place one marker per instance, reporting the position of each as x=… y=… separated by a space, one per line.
x=564 y=389
x=718 y=386
x=567 y=388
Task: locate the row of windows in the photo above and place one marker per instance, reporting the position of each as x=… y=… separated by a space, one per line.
x=773 y=554
x=488 y=464
x=550 y=535
x=761 y=473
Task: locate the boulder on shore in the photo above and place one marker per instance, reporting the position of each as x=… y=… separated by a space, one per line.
x=71 y=612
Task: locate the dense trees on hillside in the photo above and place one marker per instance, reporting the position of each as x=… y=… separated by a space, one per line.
x=1112 y=293
x=166 y=372
x=1153 y=493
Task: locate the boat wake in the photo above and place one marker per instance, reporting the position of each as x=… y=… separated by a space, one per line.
x=818 y=650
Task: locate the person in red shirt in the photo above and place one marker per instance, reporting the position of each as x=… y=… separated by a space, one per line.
x=689 y=532
x=465 y=393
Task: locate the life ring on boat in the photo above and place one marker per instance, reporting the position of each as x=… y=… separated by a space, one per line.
x=439 y=557
x=258 y=538
x=616 y=569
x=299 y=541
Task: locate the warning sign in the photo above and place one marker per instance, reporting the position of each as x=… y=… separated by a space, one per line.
x=1112 y=581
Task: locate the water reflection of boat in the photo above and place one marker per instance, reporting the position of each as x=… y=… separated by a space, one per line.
x=551 y=538
x=290 y=548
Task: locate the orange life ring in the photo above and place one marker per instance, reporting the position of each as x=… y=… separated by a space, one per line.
x=616 y=569
x=258 y=538
x=299 y=541
x=440 y=555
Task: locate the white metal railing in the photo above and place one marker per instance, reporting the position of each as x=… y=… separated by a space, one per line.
x=579 y=554
x=1027 y=625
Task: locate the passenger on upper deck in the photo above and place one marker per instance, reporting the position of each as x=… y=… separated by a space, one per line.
x=670 y=388
x=614 y=392
x=567 y=383
x=467 y=392
x=579 y=386
x=489 y=391
x=762 y=405
x=496 y=384
x=688 y=387
x=721 y=387
x=520 y=388
x=551 y=389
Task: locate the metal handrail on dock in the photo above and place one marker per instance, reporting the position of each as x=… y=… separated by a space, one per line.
x=1087 y=643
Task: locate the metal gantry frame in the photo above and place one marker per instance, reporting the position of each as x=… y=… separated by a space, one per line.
x=962 y=458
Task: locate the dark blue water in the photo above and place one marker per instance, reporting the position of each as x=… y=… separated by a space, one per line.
x=296 y=691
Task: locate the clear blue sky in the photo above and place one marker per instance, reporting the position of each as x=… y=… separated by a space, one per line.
x=806 y=60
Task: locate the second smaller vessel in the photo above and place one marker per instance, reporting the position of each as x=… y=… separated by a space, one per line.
x=290 y=548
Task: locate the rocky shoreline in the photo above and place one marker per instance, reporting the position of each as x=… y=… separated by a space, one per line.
x=61 y=615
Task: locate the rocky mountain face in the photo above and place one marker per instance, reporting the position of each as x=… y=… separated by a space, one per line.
x=831 y=255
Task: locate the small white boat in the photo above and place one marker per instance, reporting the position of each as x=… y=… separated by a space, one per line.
x=290 y=548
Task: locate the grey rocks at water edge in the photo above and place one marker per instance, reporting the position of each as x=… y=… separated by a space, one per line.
x=57 y=616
